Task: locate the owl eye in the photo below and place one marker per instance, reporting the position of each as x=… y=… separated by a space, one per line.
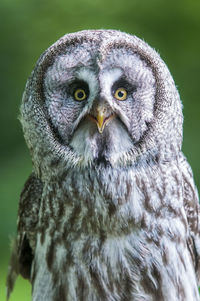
x=80 y=94
x=120 y=94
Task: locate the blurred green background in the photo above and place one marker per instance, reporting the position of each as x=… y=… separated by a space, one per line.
x=29 y=27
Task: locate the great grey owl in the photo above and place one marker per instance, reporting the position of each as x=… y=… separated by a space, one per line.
x=110 y=211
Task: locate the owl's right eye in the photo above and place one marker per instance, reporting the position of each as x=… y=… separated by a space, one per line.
x=80 y=94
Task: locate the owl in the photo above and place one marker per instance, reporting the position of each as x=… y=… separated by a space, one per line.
x=110 y=211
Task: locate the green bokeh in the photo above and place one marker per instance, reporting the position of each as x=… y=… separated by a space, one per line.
x=29 y=27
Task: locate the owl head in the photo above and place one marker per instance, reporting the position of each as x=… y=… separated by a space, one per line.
x=100 y=97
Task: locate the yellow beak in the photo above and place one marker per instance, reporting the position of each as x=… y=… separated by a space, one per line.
x=101 y=119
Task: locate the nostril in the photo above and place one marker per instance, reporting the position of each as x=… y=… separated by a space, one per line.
x=101 y=109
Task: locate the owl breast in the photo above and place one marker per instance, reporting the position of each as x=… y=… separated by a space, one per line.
x=104 y=243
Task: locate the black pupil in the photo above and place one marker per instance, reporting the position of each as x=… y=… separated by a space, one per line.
x=80 y=94
x=120 y=94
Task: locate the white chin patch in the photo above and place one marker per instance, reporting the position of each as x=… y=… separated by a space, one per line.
x=89 y=143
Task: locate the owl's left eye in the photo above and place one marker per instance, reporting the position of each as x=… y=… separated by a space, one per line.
x=120 y=94
x=80 y=94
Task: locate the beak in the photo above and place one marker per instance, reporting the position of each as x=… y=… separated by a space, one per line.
x=101 y=119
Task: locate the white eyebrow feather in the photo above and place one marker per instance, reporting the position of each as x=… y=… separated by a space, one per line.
x=90 y=78
x=107 y=79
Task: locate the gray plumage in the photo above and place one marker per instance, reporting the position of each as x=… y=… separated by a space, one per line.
x=110 y=211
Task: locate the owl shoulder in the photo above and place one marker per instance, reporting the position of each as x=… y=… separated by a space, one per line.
x=192 y=210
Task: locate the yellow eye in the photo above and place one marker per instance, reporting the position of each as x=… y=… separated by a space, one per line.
x=120 y=94
x=80 y=94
